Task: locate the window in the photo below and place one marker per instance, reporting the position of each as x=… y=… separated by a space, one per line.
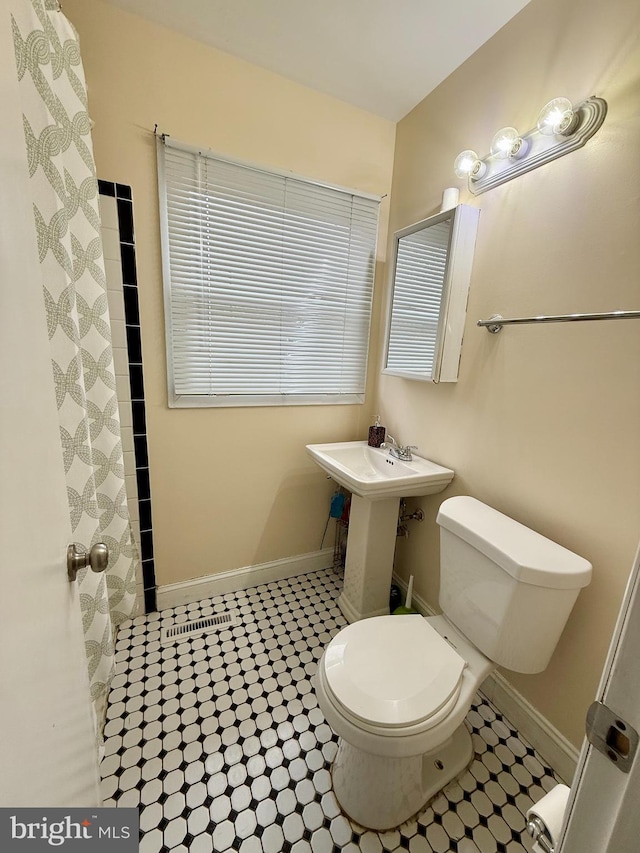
x=268 y=284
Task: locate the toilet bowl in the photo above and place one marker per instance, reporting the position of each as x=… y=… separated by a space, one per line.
x=400 y=722
x=396 y=689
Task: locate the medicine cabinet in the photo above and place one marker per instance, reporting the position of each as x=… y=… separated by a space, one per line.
x=430 y=273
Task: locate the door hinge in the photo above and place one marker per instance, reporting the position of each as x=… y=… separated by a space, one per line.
x=611 y=735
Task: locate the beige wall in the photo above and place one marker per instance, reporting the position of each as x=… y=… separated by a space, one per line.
x=544 y=423
x=230 y=487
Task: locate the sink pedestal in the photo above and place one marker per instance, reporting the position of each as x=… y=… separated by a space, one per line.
x=368 y=568
x=377 y=480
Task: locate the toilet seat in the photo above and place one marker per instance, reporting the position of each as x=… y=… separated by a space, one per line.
x=393 y=673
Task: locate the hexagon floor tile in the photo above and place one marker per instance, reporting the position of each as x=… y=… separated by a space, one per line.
x=219 y=741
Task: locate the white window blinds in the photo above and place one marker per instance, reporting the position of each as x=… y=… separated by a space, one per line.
x=268 y=284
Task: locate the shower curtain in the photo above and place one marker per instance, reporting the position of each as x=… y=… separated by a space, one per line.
x=64 y=194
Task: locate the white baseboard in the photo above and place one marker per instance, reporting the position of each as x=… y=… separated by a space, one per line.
x=552 y=745
x=188 y=592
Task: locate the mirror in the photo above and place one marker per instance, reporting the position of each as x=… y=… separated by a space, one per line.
x=430 y=273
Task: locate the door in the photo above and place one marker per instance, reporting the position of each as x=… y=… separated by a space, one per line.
x=47 y=741
x=603 y=812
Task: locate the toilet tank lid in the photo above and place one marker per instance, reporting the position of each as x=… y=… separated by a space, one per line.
x=526 y=555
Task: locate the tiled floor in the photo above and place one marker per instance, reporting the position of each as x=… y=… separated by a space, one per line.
x=221 y=744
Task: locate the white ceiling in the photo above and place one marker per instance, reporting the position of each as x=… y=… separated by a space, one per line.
x=384 y=56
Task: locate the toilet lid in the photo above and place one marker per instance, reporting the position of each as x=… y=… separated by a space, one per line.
x=392 y=670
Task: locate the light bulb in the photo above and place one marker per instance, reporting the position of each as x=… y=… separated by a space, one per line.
x=557 y=118
x=508 y=144
x=468 y=165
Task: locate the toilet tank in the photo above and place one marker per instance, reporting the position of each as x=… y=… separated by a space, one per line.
x=507 y=588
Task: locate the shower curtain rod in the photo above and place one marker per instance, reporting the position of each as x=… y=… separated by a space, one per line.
x=494 y=324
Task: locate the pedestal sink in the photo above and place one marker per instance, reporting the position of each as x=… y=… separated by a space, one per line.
x=376 y=481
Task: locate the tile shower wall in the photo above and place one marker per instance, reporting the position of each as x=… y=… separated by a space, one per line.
x=116 y=213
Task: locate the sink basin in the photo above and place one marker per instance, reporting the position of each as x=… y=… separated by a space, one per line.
x=370 y=472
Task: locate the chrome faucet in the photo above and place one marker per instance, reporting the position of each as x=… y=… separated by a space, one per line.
x=397 y=450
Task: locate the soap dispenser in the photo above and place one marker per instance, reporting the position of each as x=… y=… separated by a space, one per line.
x=376 y=434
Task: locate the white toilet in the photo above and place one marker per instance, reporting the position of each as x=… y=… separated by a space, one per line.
x=396 y=689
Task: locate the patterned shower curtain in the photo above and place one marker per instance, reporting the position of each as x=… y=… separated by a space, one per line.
x=64 y=192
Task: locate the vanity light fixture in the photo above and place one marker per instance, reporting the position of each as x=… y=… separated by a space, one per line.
x=561 y=128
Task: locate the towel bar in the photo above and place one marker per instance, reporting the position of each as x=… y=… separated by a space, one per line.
x=494 y=324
